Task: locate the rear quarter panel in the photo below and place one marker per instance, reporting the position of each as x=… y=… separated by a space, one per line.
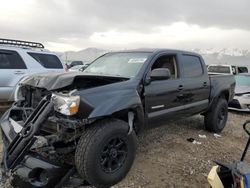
x=222 y=84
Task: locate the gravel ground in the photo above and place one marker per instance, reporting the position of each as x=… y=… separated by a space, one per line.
x=166 y=159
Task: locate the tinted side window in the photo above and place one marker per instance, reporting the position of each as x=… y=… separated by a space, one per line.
x=192 y=66
x=242 y=70
x=11 y=60
x=74 y=63
x=169 y=62
x=47 y=60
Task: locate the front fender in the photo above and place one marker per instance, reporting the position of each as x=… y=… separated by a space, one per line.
x=116 y=103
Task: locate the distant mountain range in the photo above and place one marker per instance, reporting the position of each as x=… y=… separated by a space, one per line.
x=226 y=56
x=86 y=55
x=211 y=56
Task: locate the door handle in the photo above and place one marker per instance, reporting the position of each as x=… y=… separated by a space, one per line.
x=181 y=96
x=180 y=88
x=204 y=84
x=19 y=72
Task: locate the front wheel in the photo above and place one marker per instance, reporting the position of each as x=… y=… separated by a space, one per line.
x=105 y=153
x=216 y=119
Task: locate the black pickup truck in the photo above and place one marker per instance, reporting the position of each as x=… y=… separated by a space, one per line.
x=85 y=124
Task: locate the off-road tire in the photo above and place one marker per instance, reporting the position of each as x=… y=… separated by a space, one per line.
x=216 y=119
x=90 y=148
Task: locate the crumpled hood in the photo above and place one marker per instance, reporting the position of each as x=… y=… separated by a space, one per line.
x=54 y=81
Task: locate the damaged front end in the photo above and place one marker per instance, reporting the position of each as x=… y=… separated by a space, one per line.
x=40 y=136
x=42 y=129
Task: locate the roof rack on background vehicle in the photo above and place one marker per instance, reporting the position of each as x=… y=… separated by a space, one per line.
x=20 y=43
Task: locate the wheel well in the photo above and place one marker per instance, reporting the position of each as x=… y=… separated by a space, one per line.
x=224 y=94
x=138 y=120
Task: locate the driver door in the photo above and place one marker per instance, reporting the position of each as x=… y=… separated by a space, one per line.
x=163 y=97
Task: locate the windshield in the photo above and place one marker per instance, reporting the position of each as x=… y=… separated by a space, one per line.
x=124 y=64
x=242 y=80
x=219 y=69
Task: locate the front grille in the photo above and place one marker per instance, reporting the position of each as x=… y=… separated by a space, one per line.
x=34 y=95
x=234 y=104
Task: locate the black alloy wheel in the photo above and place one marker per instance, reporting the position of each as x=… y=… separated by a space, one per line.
x=114 y=155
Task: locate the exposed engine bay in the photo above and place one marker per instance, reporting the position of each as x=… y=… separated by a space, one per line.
x=55 y=138
x=41 y=142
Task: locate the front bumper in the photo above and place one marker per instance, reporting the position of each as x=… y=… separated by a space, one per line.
x=10 y=128
x=37 y=172
x=29 y=169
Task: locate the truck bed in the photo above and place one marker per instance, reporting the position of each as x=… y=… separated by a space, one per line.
x=220 y=83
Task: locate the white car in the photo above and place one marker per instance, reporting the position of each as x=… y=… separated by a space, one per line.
x=241 y=101
x=18 y=59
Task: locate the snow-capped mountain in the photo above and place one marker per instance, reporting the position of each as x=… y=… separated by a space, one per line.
x=233 y=56
x=224 y=51
x=86 y=55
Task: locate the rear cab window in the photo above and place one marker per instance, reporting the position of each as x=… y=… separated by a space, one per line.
x=11 y=60
x=48 y=61
x=192 y=66
x=219 y=69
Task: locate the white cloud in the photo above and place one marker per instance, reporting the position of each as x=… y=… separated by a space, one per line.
x=15 y=10
x=174 y=35
x=77 y=24
x=61 y=47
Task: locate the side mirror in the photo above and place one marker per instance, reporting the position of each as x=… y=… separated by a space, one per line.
x=160 y=74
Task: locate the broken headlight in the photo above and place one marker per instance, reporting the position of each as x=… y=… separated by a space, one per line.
x=67 y=105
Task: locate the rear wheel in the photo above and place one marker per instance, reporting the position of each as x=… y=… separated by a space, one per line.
x=216 y=119
x=105 y=153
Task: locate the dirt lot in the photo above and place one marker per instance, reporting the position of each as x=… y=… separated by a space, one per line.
x=166 y=159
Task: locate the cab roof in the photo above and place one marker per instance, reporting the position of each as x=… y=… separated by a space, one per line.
x=158 y=50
